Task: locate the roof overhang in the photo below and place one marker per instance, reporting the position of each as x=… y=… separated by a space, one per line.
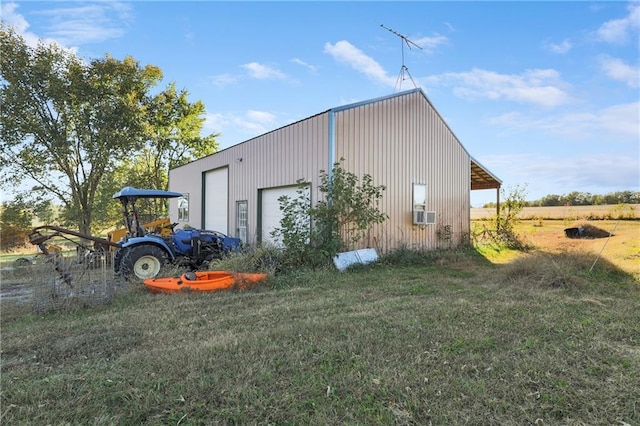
x=481 y=178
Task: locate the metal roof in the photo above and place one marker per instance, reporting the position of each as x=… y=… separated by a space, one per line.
x=482 y=178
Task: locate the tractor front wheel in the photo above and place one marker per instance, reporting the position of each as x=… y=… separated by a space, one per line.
x=143 y=262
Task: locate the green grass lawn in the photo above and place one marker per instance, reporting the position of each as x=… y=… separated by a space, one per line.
x=443 y=339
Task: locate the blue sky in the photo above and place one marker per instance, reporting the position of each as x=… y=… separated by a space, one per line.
x=543 y=94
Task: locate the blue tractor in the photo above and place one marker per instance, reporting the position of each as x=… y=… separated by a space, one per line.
x=141 y=253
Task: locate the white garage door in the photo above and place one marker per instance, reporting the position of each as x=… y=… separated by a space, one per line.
x=271 y=214
x=216 y=196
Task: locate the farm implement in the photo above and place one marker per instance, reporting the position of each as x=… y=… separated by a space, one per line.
x=40 y=238
x=143 y=248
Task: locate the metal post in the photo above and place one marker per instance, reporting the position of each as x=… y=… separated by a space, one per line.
x=498 y=206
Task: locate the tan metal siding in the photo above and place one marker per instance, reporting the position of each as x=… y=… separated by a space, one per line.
x=278 y=158
x=401 y=141
x=398 y=140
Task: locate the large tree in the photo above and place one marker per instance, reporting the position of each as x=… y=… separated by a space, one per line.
x=64 y=123
x=77 y=128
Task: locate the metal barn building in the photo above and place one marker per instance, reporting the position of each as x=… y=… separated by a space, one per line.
x=400 y=140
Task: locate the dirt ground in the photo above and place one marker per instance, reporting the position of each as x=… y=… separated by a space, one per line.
x=622 y=248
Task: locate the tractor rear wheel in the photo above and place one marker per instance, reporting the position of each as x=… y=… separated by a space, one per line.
x=143 y=262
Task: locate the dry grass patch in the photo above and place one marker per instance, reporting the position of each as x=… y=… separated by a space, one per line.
x=568 y=270
x=621 y=250
x=601 y=212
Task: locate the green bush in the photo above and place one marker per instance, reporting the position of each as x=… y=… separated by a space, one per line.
x=502 y=231
x=12 y=238
x=313 y=235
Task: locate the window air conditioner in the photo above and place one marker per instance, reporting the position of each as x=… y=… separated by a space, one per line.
x=422 y=217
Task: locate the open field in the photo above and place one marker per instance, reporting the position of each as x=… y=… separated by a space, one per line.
x=622 y=249
x=569 y=212
x=469 y=336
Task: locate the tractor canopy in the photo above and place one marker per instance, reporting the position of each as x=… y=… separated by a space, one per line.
x=131 y=192
x=128 y=197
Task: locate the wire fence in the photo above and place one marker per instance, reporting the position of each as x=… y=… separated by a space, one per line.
x=52 y=282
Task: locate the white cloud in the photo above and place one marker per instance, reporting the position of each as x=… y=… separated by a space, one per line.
x=430 y=43
x=73 y=26
x=244 y=126
x=537 y=86
x=345 y=52
x=262 y=72
x=618 y=31
x=619 y=71
x=222 y=80
x=621 y=121
x=254 y=123
x=214 y=122
x=254 y=70
x=614 y=124
x=427 y=43
x=261 y=117
x=560 y=48
x=300 y=62
x=607 y=171
x=87 y=23
x=10 y=16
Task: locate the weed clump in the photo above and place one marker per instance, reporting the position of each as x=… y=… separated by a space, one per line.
x=546 y=271
x=566 y=271
x=266 y=260
x=406 y=256
x=502 y=231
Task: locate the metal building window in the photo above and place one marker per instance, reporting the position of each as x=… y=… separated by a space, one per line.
x=419 y=196
x=183 y=208
x=420 y=214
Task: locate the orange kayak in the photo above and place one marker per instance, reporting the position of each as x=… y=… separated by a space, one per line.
x=203 y=281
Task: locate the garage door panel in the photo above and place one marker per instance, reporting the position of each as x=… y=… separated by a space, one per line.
x=271 y=213
x=216 y=205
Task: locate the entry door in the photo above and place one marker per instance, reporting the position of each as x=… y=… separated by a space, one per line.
x=216 y=206
x=242 y=220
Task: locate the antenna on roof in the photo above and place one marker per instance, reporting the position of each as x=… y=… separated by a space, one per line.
x=401 y=77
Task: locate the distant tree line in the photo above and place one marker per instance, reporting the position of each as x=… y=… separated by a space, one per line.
x=577 y=198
